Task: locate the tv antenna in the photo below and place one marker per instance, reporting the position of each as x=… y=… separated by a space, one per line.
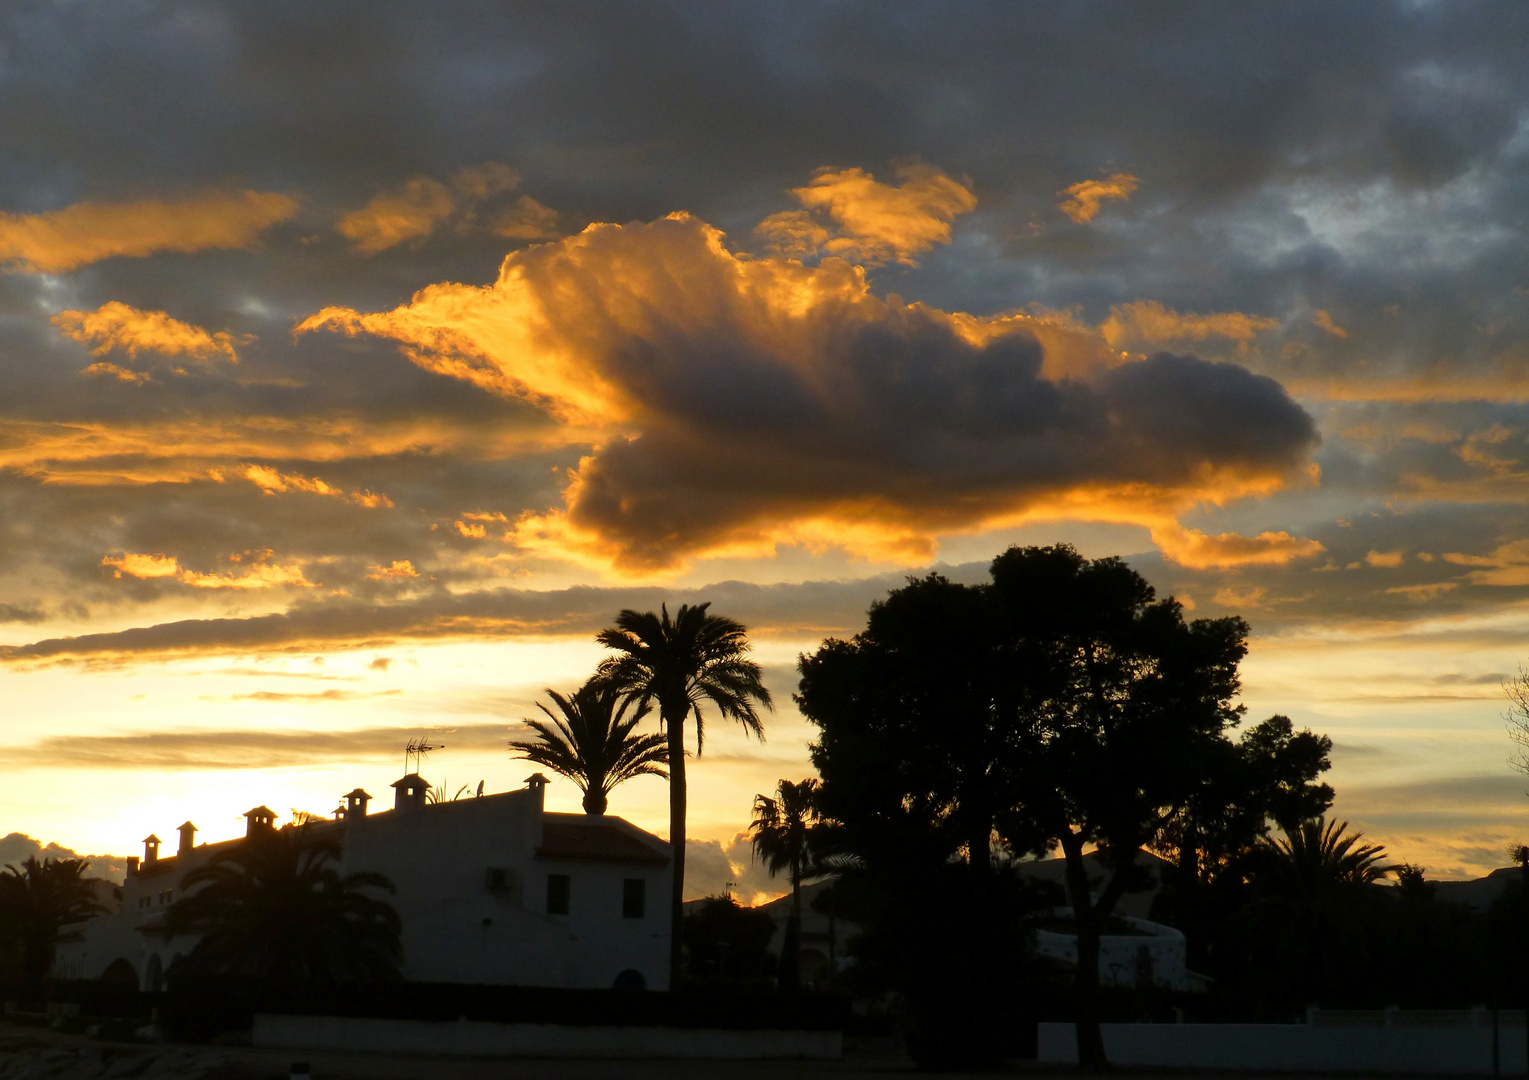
x=414 y=752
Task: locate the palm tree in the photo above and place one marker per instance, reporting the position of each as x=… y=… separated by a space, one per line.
x=782 y=831
x=1318 y=855
x=1308 y=926
x=37 y=898
x=274 y=909
x=592 y=743
x=679 y=664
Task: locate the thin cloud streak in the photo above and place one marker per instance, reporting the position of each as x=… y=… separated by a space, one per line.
x=212 y=750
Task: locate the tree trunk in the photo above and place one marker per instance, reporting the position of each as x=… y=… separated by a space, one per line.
x=676 y=726
x=791 y=947
x=1091 y=1055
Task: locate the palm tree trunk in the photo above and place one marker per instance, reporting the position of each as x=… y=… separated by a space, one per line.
x=676 y=726
x=791 y=948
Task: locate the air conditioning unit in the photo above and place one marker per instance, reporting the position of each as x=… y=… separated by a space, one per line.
x=504 y=882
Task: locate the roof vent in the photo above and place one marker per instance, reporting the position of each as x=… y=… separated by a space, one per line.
x=409 y=793
x=262 y=819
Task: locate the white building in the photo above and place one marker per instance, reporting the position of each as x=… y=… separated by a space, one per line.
x=489 y=890
x=1133 y=952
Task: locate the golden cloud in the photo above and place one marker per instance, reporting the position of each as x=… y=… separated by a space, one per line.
x=409 y=213
x=1386 y=559
x=398 y=570
x=1196 y=550
x=274 y=482
x=874 y=222
x=1506 y=565
x=62 y=240
x=261 y=575
x=116 y=325
x=1084 y=197
x=121 y=374
x=527 y=219
x=750 y=402
x=1148 y=322
x=1324 y=321
x=188 y=450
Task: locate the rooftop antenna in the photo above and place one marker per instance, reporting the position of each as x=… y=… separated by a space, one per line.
x=414 y=753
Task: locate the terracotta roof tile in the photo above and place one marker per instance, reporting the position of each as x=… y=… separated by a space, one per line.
x=595 y=843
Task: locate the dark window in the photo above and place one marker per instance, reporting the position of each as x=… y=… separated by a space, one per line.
x=634 y=897
x=557 y=894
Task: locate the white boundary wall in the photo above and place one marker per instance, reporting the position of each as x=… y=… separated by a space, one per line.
x=1296 y=1047
x=483 y=1039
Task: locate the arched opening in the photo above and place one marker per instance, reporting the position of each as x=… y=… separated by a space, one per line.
x=154 y=976
x=121 y=973
x=630 y=979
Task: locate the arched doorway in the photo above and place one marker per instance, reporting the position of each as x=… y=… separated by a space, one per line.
x=121 y=973
x=630 y=979
x=154 y=975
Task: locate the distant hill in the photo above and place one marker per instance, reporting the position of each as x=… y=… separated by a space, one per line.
x=16 y=848
x=1479 y=893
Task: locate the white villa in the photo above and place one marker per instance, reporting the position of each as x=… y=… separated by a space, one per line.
x=489 y=890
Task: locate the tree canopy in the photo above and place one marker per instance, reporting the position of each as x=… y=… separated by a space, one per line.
x=593 y=742
x=1062 y=704
x=274 y=908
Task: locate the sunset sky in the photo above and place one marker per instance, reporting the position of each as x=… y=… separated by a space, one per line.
x=361 y=361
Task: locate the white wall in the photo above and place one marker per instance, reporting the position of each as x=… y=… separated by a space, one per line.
x=477 y=1038
x=455 y=928
x=1296 y=1047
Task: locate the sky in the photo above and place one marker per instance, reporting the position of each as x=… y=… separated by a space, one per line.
x=362 y=361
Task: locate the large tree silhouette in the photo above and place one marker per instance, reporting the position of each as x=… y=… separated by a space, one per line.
x=782 y=832
x=593 y=742
x=1126 y=700
x=36 y=898
x=922 y=750
x=680 y=664
x=1268 y=777
x=274 y=908
x=1062 y=704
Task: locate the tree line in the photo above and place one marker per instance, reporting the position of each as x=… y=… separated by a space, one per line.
x=1058 y=706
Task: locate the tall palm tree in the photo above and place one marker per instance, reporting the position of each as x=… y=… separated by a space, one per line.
x=1313 y=901
x=36 y=898
x=593 y=743
x=1320 y=854
x=680 y=663
x=275 y=909
x=782 y=832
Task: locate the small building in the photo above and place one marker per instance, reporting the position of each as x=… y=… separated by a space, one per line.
x=1132 y=952
x=493 y=889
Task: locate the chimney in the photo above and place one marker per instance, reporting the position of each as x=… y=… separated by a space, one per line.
x=409 y=793
x=355 y=805
x=188 y=833
x=260 y=820
x=132 y=865
x=150 y=850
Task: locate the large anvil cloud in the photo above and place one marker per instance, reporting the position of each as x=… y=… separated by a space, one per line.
x=748 y=402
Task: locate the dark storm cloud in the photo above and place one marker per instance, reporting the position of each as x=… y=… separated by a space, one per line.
x=1367 y=162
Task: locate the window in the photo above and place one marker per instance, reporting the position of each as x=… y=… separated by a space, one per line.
x=557 y=894
x=634 y=897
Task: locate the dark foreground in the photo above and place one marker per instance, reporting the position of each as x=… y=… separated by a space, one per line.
x=30 y=1054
